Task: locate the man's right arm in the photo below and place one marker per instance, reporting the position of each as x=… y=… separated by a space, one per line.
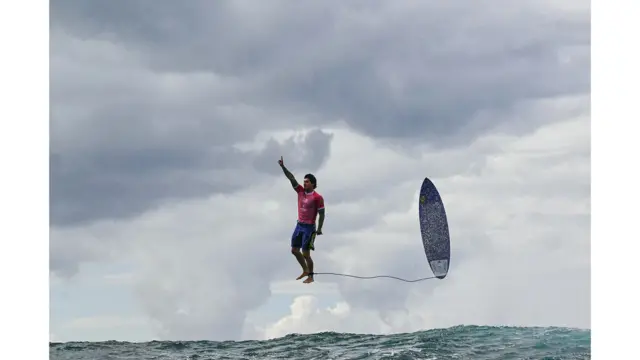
x=290 y=176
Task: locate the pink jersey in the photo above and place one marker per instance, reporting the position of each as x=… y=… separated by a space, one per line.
x=308 y=205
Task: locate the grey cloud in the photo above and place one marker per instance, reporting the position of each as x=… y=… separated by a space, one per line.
x=309 y=153
x=149 y=97
x=132 y=138
x=390 y=72
x=125 y=138
x=122 y=183
x=436 y=97
x=116 y=184
x=65 y=263
x=69 y=248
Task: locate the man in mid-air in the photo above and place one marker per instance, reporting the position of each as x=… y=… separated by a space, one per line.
x=310 y=205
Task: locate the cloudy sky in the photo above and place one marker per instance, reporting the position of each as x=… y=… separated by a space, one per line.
x=170 y=218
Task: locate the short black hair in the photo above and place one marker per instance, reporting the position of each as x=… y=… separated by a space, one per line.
x=312 y=180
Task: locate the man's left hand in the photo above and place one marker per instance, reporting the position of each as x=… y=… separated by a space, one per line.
x=319 y=232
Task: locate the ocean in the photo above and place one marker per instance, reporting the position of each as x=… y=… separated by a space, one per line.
x=459 y=342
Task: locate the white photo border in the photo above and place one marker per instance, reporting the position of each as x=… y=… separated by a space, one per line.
x=614 y=196
x=24 y=190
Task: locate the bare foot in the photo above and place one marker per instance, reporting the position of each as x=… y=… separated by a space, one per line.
x=309 y=280
x=304 y=273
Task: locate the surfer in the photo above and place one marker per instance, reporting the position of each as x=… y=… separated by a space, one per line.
x=310 y=206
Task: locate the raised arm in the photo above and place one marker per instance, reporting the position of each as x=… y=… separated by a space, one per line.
x=288 y=174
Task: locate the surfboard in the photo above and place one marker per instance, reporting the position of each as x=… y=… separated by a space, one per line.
x=434 y=229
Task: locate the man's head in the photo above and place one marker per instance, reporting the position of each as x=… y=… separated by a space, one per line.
x=310 y=182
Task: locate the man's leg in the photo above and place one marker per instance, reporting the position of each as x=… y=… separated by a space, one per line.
x=307 y=257
x=307 y=246
x=301 y=261
x=296 y=244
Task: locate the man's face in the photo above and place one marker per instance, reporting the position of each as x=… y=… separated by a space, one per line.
x=308 y=186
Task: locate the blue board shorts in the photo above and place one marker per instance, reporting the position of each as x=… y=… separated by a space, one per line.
x=304 y=236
